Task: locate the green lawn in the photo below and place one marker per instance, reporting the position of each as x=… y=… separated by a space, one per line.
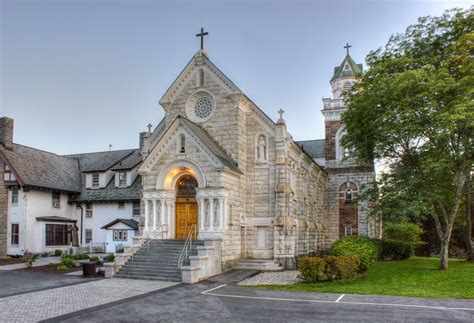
x=417 y=276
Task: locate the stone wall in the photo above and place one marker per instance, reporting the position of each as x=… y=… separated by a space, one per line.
x=3 y=211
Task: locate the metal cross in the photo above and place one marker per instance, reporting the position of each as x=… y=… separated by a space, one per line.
x=281 y=111
x=202 y=34
x=347 y=48
x=149 y=126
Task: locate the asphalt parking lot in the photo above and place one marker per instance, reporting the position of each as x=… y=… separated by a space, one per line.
x=222 y=303
x=212 y=301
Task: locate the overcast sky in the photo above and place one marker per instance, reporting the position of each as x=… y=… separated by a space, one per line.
x=79 y=75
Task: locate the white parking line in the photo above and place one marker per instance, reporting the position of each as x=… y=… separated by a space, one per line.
x=208 y=292
x=340 y=297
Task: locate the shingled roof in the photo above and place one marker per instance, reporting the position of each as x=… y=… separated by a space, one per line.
x=39 y=168
x=355 y=69
x=111 y=193
x=101 y=161
x=130 y=222
x=314 y=148
x=129 y=162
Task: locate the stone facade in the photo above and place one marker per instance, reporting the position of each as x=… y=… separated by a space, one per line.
x=274 y=195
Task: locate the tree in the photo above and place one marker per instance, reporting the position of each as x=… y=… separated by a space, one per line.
x=414 y=109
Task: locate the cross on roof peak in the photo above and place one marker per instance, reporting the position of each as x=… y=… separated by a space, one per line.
x=149 y=126
x=280 y=112
x=347 y=48
x=202 y=34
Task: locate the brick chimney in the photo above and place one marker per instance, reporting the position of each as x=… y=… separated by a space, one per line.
x=6 y=132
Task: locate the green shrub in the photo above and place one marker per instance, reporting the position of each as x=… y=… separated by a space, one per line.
x=344 y=267
x=58 y=252
x=29 y=262
x=79 y=256
x=94 y=259
x=62 y=268
x=120 y=250
x=109 y=258
x=363 y=248
x=402 y=231
x=53 y=264
x=397 y=250
x=67 y=261
x=312 y=269
x=6 y=258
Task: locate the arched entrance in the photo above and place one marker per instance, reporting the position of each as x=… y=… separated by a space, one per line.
x=186 y=206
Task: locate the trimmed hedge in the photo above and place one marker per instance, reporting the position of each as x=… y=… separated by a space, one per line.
x=68 y=262
x=396 y=250
x=365 y=249
x=316 y=269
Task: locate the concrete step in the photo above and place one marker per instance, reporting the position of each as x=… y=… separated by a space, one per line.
x=149 y=278
x=144 y=274
x=259 y=264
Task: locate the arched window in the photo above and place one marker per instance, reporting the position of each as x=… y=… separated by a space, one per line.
x=348 y=195
x=201 y=78
x=347 y=86
x=186 y=186
x=261 y=150
x=182 y=144
x=342 y=153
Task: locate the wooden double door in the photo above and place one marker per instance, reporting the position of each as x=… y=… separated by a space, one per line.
x=186 y=217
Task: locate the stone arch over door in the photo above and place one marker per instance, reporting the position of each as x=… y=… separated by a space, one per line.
x=170 y=174
x=348 y=209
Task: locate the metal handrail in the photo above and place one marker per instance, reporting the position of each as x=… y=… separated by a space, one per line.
x=188 y=245
x=146 y=240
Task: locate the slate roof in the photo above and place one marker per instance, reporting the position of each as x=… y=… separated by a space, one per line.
x=40 y=168
x=211 y=144
x=129 y=162
x=101 y=161
x=314 y=148
x=130 y=222
x=356 y=69
x=111 y=193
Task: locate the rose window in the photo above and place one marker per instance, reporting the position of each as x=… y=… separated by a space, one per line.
x=203 y=108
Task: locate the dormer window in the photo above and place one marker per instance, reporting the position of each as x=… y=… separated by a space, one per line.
x=123 y=179
x=95 y=180
x=56 y=199
x=346 y=67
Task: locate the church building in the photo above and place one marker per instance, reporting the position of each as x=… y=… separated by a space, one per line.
x=216 y=169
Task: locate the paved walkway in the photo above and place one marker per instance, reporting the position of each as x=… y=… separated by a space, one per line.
x=41 y=305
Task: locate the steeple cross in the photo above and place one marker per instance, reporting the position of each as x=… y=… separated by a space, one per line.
x=202 y=34
x=281 y=111
x=149 y=126
x=347 y=48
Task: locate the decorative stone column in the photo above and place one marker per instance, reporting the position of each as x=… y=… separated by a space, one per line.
x=208 y=195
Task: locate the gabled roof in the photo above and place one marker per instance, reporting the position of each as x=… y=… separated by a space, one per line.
x=314 y=148
x=130 y=222
x=202 y=136
x=355 y=69
x=211 y=144
x=39 y=168
x=101 y=161
x=199 y=60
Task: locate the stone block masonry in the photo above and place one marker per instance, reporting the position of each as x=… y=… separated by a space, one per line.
x=3 y=211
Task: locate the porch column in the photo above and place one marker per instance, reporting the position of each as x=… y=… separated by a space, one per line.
x=154 y=215
x=211 y=218
x=222 y=212
x=163 y=214
x=168 y=217
x=201 y=214
x=146 y=214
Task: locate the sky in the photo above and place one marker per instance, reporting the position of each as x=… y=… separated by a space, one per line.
x=77 y=76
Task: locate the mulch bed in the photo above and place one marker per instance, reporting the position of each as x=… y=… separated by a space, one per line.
x=12 y=261
x=51 y=270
